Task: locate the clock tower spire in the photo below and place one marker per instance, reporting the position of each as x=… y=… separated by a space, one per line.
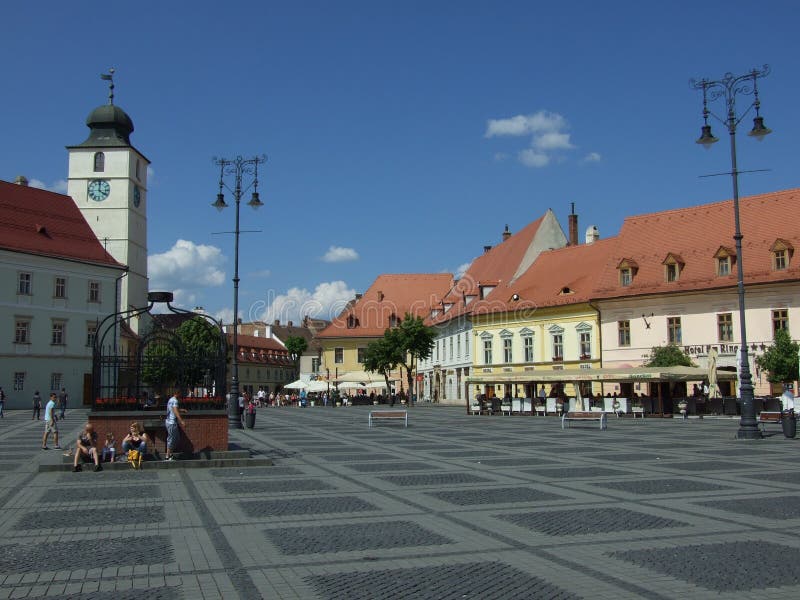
x=108 y=181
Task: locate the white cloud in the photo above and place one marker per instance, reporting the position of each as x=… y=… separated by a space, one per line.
x=325 y=302
x=186 y=266
x=339 y=254
x=548 y=135
x=592 y=157
x=59 y=186
x=540 y=122
x=532 y=158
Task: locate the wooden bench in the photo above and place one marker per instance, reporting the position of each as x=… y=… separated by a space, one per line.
x=584 y=416
x=765 y=417
x=388 y=415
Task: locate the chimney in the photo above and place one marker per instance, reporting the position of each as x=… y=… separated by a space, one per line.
x=573 y=227
x=486 y=249
x=592 y=234
x=289 y=324
x=506 y=234
x=358 y=296
x=21 y=180
x=380 y=296
x=277 y=322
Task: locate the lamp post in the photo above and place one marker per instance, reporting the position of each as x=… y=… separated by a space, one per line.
x=238 y=167
x=727 y=89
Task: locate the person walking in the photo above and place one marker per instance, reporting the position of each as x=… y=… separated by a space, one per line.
x=50 y=424
x=62 y=403
x=37 y=406
x=172 y=423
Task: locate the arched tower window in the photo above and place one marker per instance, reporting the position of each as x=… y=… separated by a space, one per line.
x=99 y=162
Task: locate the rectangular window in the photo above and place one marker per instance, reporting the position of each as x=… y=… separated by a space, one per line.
x=723 y=266
x=725 y=327
x=466 y=345
x=91 y=334
x=94 y=291
x=451 y=348
x=527 y=344
x=55 y=381
x=315 y=362
x=458 y=345
x=444 y=350
x=60 y=287
x=487 y=352
x=672 y=272
x=624 y=332
x=558 y=347
x=437 y=351
x=338 y=356
x=57 y=338
x=780 y=320
x=625 y=277
x=24 y=284
x=507 y=354
x=586 y=345
x=779 y=260
x=22 y=331
x=674 y=330
x=362 y=352
x=19 y=381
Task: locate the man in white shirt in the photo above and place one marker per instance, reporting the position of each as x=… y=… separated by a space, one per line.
x=50 y=423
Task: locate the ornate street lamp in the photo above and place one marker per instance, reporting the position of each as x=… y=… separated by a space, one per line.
x=727 y=89
x=238 y=167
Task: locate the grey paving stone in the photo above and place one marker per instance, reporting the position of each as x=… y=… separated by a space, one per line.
x=783 y=477
x=306 y=506
x=91 y=518
x=275 y=486
x=575 y=472
x=722 y=567
x=54 y=556
x=243 y=472
x=495 y=496
x=337 y=457
x=392 y=466
x=469 y=453
x=352 y=536
x=153 y=593
x=74 y=494
x=434 y=479
x=588 y=521
x=778 y=508
x=484 y=580
x=661 y=486
x=125 y=475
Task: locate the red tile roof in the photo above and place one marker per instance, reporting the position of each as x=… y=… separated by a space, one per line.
x=39 y=222
x=695 y=235
x=390 y=294
x=557 y=277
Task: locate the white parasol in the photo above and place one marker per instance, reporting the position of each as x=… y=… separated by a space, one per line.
x=296 y=385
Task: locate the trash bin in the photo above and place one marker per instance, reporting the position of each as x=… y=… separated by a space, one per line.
x=250 y=419
x=789 y=423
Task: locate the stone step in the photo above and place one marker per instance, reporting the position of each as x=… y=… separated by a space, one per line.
x=215 y=459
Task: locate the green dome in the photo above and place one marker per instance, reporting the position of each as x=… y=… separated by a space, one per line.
x=109 y=126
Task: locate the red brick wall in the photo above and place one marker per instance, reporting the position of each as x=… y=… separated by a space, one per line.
x=205 y=430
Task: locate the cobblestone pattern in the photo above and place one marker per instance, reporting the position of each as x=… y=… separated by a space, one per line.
x=779 y=508
x=513 y=462
x=783 y=477
x=306 y=506
x=468 y=453
x=152 y=593
x=355 y=536
x=90 y=518
x=496 y=496
x=8 y=466
x=275 y=487
x=56 y=556
x=433 y=479
x=132 y=492
x=721 y=567
x=108 y=476
x=699 y=466
x=487 y=581
x=358 y=456
x=254 y=472
x=661 y=486
x=392 y=466
x=575 y=472
x=588 y=521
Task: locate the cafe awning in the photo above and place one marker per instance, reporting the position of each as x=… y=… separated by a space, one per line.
x=631 y=374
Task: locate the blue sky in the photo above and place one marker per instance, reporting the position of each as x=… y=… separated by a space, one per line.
x=400 y=136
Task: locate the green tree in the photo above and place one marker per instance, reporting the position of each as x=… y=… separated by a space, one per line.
x=296 y=345
x=381 y=356
x=202 y=344
x=412 y=340
x=780 y=359
x=160 y=364
x=668 y=356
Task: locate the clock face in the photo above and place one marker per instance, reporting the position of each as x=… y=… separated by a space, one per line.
x=99 y=189
x=137 y=196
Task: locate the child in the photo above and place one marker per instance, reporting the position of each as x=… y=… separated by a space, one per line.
x=110 y=449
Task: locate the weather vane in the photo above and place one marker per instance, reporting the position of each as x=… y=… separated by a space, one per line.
x=110 y=78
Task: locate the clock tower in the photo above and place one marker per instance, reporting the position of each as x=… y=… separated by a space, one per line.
x=108 y=181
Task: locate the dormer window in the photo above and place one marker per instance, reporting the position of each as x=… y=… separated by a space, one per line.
x=352 y=322
x=673 y=265
x=566 y=291
x=627 y=271
x=486 y=290
x=469 y=298
x=448 y=306
x=781 y=254
x=724 y=260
